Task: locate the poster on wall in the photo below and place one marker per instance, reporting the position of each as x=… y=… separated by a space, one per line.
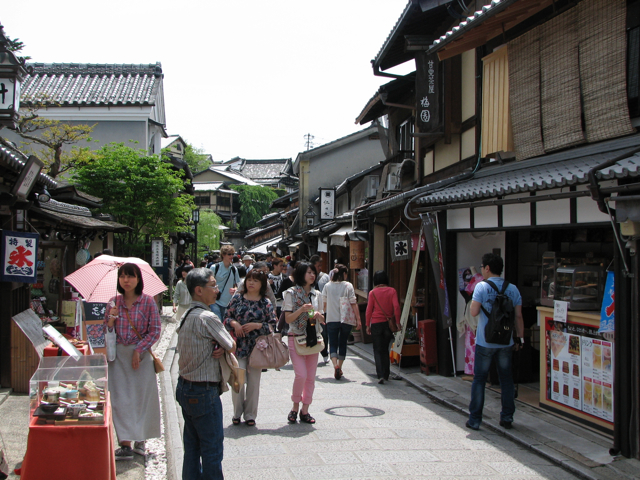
x=19 y=256
x=579 y=368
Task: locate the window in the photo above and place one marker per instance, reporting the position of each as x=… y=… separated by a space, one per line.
x=405 y=139
x=223 y=201
x=203 y=200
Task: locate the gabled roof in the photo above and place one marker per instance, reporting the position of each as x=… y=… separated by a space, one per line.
x=396 y=91
x=420 y=17
x=340 y=142
x=260 y=170
x=225 y=171
x=66 y=84
x=167 y=142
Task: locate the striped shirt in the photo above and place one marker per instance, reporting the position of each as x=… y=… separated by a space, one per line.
x=197 y=335
x=144 y=316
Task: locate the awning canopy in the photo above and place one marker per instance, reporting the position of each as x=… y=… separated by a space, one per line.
x=294 y=245
x=338 y=237
x=263 y=248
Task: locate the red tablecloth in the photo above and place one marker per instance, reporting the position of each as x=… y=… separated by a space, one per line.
x=69 y=451
x=52 y=351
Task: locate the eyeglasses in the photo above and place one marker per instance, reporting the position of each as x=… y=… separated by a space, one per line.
x=215 y=287
x=229 y=254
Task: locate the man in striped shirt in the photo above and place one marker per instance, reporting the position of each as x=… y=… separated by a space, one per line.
x=202 y=340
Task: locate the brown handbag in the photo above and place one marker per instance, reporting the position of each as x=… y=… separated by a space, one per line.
x=393 y=326
x=157 y=363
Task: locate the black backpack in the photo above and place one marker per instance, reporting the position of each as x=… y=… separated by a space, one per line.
x=499 y=328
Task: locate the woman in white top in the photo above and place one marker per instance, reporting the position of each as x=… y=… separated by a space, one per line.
x=338 y=331
x=302 y=307
x=181 y=297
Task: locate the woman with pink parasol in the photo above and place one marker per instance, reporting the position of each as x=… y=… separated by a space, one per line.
x=132 y=380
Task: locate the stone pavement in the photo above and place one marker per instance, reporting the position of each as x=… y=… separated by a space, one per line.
x=365 y=431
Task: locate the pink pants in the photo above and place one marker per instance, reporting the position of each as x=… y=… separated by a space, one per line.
x=305 y=367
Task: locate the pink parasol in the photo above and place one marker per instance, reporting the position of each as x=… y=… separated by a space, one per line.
x=97 y=280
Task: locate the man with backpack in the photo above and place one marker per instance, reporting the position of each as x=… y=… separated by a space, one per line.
x=227 y=279
x=499 y=305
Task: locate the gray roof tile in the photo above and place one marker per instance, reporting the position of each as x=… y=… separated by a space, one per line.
x=93 y=84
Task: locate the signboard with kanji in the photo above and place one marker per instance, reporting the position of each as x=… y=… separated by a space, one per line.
x=327 y=203
x=428 y=95
x=19 y=256
x=156 y=253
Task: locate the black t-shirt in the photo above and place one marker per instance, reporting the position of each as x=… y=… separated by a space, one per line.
x=286 y=283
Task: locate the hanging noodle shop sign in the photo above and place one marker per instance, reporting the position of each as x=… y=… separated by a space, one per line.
x=19 y=256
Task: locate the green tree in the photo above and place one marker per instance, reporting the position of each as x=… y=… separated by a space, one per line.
x=48 y=138
x=140 y=191
x=196 y=159
x=255 y=202
x=208 y=232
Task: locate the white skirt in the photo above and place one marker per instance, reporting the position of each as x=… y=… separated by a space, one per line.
x=134 y=396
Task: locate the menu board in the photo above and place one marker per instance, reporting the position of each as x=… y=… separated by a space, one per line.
x=579 y=368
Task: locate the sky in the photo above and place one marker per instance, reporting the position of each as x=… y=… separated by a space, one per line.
x=243 y=78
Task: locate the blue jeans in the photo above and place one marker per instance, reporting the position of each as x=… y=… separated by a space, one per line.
x=218 y=310
x=338 y=336
x=483 y=358
x=203 y=435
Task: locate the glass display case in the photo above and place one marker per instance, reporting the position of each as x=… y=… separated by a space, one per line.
x=66 y=390
x=580 y=285
x=548 y=280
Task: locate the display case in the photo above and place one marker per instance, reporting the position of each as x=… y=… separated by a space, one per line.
x=580 y=285
x=64 y=390
x=548 y=280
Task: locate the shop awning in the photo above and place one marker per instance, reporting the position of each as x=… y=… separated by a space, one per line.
x=338 y=237
x=263 y=247
x=294 y=245
x=77 y=221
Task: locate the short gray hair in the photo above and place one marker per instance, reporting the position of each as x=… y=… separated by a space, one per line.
x=198 y=277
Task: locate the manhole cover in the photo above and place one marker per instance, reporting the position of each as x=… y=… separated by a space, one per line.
x=354 y=412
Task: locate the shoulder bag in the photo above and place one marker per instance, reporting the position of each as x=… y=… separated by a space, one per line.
x=346 y=310
x=269 y=352
x=393 y=326
x=157 y=363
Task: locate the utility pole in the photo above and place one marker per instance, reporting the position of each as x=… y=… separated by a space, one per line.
x=308 y=141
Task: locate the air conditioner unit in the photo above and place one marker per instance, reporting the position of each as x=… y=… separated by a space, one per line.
x=394 y=178
x=372 y=182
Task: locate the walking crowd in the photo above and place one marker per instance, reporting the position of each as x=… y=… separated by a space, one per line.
x=227 y=311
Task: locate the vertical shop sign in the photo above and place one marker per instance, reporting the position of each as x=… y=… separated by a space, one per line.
x=432 y=236
x=19 y=256
x=156 y=253
x=400 y=244
x=327 y=203
x=428 y=93
x=607 y=320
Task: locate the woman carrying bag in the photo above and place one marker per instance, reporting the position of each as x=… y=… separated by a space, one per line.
x=248 y=316
x=340 y=319
x=383 y=311
x=302 y=310
x=132 y=377
x=181 y=297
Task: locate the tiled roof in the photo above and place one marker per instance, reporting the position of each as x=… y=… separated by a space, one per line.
x=495 y=7
x=93 y=84
x=207 y=186
x=17 y=160
x=260 y=171
x=551 y=171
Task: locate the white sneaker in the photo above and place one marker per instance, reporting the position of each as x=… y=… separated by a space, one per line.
x=326 y=360
x=139 y=448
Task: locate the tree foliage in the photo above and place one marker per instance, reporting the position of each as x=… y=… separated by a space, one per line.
x=140 y=191
x=208 y=232
x=255 y=202
x=196 y=159
x=48 y=138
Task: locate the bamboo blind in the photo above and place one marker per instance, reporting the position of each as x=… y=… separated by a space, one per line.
x=560 y=83
x=603 y=44
x=524 y=95
x=496 y=118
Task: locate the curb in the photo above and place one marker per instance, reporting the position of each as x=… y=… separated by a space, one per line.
x=554 y=456
x=173 y=437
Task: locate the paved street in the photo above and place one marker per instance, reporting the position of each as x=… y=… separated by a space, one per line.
x=368 y=431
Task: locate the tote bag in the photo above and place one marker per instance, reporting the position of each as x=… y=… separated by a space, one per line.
x=269 y=352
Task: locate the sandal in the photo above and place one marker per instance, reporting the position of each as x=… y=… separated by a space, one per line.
x=337 y=374
x=306 y=418
x=235 y=421
x=250 y=423
x=293 y=416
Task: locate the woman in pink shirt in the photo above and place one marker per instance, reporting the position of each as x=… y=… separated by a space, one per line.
x=382 y=304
